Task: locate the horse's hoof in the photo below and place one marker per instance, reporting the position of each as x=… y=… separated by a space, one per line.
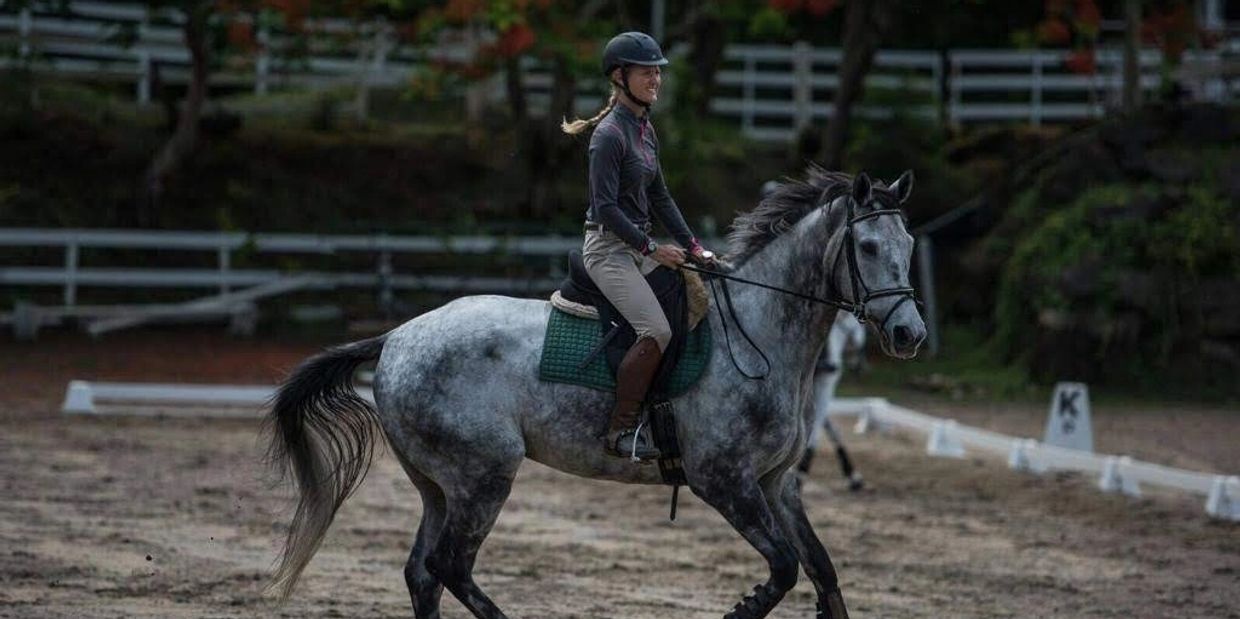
x=756 y=605
x=856 y=482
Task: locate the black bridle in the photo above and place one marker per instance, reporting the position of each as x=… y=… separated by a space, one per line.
x=855 y=306
x=849 y=248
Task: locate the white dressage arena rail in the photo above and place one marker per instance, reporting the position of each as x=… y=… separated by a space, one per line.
x=171 y=400
x=946 y=438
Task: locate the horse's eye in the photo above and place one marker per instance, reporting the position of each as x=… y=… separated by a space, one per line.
x=869 y=248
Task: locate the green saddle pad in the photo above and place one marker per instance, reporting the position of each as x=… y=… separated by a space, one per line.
x=570 y=339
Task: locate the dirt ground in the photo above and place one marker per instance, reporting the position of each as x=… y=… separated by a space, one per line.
x=161 y=517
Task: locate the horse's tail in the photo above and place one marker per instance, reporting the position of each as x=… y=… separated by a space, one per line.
x=323 y=432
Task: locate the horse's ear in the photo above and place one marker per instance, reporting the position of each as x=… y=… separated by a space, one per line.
x=903 y=186
x=861 y=189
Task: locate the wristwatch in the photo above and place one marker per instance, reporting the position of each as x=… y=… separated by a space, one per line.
x=650 y=247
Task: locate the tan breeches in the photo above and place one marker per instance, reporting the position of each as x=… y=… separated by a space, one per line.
x=619 y=272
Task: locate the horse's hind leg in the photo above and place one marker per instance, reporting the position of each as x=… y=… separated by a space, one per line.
x=424 y=589
x=784 y=498
x=474 y=502
x=737 y=496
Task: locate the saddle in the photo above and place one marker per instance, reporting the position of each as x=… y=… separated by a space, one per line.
x=684 y=308
x=585 y=326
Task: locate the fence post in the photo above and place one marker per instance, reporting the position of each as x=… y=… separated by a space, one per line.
x=953 y=105
x=747 y=102
x=1035 y=111
x=25 y=23
x=144 y=60
x=71 y=269
x=803 y=88
x=386 y=296
x=262 y=64
x=925 y=273
x=225 y=260
x=939 y=90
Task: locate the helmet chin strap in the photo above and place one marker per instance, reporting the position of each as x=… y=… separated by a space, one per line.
x=624 y=86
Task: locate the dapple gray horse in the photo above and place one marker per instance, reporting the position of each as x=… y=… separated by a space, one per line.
x=458 y=399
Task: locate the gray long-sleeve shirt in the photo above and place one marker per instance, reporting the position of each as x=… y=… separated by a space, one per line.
x=626 y=180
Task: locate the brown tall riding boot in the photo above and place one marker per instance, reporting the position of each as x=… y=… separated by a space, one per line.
x=632 y=380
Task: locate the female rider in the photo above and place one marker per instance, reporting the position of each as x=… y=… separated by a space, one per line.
x=626 y=190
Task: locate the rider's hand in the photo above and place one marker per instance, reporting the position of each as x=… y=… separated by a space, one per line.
x=701 y=255
x=669 y=256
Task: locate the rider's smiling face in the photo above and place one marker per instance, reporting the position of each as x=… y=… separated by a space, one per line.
x=644 y=83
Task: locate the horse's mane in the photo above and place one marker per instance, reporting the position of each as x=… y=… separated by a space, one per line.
x=790 y=202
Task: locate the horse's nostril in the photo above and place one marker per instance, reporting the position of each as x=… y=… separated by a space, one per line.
x=902 y=336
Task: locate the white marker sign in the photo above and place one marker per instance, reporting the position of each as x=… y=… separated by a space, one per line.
x=1068 y=424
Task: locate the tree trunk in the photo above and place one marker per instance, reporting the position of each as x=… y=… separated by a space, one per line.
x=548 y=146
x=709 y=37
x=185 y=137
x=1132 y=59
x=864 y=23
x=515 y=87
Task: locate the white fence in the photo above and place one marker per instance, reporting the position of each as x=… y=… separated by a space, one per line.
x=771 y=90
x=1114 y=473
x=224 y=277
x=945 y=437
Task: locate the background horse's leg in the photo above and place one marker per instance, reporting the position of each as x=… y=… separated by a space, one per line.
x=424 y=589
x=784 y=497
x=737 y=496
x=474 y=498
x=855 y=481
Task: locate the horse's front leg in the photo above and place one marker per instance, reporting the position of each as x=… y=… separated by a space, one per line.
x=784 y=498
x=736 y=494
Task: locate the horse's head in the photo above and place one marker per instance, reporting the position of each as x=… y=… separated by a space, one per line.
x=872 y=267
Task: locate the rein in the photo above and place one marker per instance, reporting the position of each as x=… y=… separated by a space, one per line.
x=854 y=307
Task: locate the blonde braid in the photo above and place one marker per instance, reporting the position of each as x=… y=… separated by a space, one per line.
x=577 y=126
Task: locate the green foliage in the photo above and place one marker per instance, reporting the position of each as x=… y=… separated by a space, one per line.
x=969 y=369
x=1103 y=233
x=886 y=148
x=769 y=24
x=1200 y=240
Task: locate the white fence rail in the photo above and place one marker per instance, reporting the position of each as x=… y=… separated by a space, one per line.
x=171 y=400
x=1115 y=473
x=771 y=90
x=225 y=277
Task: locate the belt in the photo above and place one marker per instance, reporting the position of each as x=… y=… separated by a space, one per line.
x=593 y=227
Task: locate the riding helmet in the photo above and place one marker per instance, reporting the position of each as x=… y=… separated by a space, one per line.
x=632 y=48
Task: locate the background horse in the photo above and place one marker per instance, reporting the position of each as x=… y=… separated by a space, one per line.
x=460 y=405
x=847 y=335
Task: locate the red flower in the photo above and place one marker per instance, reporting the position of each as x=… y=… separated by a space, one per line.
x=1081 y=61
x=1054 y=32
x=1087 y=13
x=819 y=8
x=516 y=39
x=241 y=34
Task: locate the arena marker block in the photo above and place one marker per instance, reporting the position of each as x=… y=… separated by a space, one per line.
x=1224 y=499
x=1019 y=458
x=78 y=399
x=1113 y=478
x=1068 y=424
x=943 y=441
